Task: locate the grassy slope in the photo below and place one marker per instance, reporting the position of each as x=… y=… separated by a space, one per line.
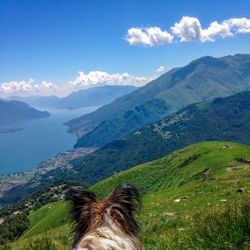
x=176 y=176
x=181 y=174
x=47 y=217
x=55 y=239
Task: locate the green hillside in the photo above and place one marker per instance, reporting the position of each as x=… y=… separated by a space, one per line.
x=47 y=217
x=222 y=119
x=183 y=168
x=200 y=80
x=208 y=181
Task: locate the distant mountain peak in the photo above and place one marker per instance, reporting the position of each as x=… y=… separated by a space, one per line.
x=12 y=111
x=95 y=96
x=200 y=80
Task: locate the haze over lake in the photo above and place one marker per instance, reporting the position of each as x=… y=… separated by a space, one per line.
x=38 y=140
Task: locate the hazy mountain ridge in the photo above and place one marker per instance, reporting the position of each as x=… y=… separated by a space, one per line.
x=37 y=101
x=95 y=96
x=202 y=79
x=12 y=111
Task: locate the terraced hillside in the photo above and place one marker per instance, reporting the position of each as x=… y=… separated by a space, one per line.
x=200 y=182
x=206 y=165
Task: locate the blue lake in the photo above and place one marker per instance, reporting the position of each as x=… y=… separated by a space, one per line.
x=39 y=140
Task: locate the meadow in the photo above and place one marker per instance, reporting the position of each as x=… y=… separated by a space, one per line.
x=194 y=198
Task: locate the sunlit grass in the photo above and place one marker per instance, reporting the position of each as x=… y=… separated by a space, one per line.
x=182 y=208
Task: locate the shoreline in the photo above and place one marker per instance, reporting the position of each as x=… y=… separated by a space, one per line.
x=59 y=161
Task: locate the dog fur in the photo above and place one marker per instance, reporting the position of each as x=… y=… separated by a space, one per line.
x=108 y=224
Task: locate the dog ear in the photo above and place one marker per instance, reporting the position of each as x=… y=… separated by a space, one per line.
x=127 y=196
x=80 y=200
x=126 y=200
x=81 y=203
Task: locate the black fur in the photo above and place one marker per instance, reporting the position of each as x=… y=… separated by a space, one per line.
x=80 y=199
x=128 y=200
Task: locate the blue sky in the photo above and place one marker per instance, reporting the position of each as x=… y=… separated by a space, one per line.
x=52 y=40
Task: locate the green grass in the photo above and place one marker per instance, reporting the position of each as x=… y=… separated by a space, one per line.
x=220 y=228
x=54 y=239
x=181 y=204
x=182 y=167
x=47 y=217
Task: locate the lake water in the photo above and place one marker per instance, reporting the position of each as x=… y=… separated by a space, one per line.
x=39 y=140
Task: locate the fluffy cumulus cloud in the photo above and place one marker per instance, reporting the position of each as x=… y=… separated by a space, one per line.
x=98 y=78
x=82 y=81
x=26 y=88
x=148 y=36
x=190 y=29
x=160 y=69
x=239 y=25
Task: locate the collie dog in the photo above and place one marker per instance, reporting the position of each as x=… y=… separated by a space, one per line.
x=108 y=224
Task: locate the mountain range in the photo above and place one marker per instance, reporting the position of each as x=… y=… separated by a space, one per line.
x=95 y=96
x=37 y=101
x=12 y=111
x=226 y=119
x=202 y=79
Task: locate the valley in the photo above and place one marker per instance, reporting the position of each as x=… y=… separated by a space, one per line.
x=190 y=161
x=206 y=121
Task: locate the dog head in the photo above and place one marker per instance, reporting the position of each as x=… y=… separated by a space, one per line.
x=120 y=207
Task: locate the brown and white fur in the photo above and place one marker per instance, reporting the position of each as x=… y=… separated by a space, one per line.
x=108 y=224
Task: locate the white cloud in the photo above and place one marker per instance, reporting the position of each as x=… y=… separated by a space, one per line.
x=98 y=78
x=148 y=36
x=239 y=25
x=82 y=81
x=26 y=88
x=160 y=69
x=188 y=29
x=214 y=31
